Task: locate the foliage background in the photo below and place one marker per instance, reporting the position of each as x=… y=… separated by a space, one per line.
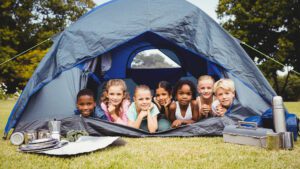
x=273 y=28
x=25 y=23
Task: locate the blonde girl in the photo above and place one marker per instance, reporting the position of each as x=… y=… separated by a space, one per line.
x=205 y=98
x=115 y=101
x=142 y=112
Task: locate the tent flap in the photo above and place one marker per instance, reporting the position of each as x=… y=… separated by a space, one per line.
x=97 y=127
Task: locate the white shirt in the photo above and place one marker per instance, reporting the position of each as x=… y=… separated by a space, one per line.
x=188 y=114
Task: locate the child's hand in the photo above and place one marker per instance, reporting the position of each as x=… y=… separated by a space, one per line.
x=206 y=109
x=167 y=103
x=150 y=107
x=176 y=123
x=111 y=108
x=143 y=114
x=221 y=110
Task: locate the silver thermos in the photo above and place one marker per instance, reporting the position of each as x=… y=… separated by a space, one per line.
x=278 y=115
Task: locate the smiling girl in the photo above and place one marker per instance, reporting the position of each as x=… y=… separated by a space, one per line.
x=142 y=112
x=163 y=99
x=115 y=101
x=185 y=109
x=205 y=98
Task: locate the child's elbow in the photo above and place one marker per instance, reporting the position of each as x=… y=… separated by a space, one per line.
x=152 y=131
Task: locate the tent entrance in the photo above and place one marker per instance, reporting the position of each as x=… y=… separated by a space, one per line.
x=119 y=66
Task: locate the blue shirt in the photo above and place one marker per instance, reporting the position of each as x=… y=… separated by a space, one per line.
x=132 y=114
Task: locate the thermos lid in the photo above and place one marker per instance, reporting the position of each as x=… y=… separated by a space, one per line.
x=17 y=138
x=277 y=102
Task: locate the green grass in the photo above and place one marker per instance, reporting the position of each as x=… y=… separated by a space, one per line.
x=196 y=152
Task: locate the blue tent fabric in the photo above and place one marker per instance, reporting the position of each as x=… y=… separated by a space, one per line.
x=122 y=27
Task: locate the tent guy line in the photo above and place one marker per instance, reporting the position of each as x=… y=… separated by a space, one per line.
x=268 y=57
x=24 y=51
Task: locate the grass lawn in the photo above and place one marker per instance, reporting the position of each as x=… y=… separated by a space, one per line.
x=196 y=152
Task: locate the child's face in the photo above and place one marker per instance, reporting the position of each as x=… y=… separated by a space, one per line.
x=162 y=95
x=205 y=88
x=184 y=95
x=225 y=97
x=115 y=95
x=86 y=105
x=142 y=99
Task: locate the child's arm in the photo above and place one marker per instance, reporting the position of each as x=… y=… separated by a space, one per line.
x=195 y=111
x=152 y=118
x=186 y=121
x=176 y=123
x=166 y=106
x=172 y=110
x=120 y=120
x=203 y=109
x=198 y=100
x=135 y=118
x=122 y=117
x=220 y=110
x=217 y=109
x=172 y=117
x=195 y=116
x=138 y=121
x=152 y=123
x=112 y=112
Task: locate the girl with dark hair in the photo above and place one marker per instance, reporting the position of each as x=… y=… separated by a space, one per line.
x=185 y=109
x=163 y=98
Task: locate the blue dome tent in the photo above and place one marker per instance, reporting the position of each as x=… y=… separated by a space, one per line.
x=117 y=31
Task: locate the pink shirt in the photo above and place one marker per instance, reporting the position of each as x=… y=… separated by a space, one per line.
x=123 y=110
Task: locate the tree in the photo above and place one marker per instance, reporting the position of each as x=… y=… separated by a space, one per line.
x=153 y=60
x=292 y=88
x=25 y=23
x=271 y=27
x=29 y=62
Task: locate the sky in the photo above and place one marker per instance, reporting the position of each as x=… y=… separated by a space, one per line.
x=208 y=6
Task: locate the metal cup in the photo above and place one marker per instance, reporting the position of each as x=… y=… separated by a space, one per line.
x=43 y=134
x=30 y=136
x=287 y=140
x=273 y=141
